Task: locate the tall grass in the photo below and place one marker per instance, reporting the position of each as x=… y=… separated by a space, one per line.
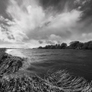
x=60 y=81
x=14 y=80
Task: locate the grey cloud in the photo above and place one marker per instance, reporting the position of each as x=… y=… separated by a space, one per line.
x=3 y=7
x=61 y=5
x=45 y=34
x=58 y=5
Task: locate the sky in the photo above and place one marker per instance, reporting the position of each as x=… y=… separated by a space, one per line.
x=33 y=23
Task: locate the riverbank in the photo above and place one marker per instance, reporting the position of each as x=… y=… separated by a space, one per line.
x=14 y=79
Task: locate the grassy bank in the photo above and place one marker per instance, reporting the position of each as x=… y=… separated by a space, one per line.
x=14 y=79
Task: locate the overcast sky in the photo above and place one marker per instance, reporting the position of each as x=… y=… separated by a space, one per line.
x=32 y=23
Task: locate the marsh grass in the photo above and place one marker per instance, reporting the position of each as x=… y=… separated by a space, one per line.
x=14 y=80
x=60 y=81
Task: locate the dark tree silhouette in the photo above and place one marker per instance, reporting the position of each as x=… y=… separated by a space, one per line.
x=73 y=45
x=90 y=45
x=63 y=46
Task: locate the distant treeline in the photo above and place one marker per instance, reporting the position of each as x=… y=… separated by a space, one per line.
x=72 y=45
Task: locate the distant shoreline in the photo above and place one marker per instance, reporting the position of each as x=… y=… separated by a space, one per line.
x=73 y=45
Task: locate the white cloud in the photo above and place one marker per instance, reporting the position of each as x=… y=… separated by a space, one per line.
x=23 y=21
x=66 y=19
x=10 y=33
x=86 y=36
x=55 y=39
x=27 y=19
x=34 y=43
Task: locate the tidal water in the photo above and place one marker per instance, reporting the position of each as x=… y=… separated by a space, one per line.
x=41 y=61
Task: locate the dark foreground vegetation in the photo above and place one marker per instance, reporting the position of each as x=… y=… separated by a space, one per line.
x=73 y=45
x=15 y=78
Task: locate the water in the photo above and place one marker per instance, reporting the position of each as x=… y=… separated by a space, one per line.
x=15 y=52
x=76 y=62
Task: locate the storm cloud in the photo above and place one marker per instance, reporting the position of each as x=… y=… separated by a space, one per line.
x=41 y=22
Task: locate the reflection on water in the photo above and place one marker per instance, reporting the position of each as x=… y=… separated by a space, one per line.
x=15 y=52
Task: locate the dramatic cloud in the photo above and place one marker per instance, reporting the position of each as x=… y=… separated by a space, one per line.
x=24 y=19
x=40 y=22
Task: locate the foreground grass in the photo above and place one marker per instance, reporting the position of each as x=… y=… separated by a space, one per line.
x=13 y=79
